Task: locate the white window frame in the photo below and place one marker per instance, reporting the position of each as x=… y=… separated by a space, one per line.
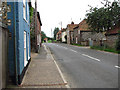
x=25 y=51
x=24 y=9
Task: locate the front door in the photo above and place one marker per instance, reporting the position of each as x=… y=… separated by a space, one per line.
x=25 y=53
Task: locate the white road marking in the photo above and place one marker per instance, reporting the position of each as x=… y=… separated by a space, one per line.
x=117 y=66
x=73 y=50
x=91 y=57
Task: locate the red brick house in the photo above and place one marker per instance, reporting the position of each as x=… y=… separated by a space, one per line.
x=59 y=36
x=39 y=24
x=46 y=40
x=82 y=33
x=69 y=31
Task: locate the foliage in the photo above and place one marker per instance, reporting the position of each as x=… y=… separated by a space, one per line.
x=78 y=45
x=43 y=35
x=31 y=13
x=56 y=30
x=104 y=18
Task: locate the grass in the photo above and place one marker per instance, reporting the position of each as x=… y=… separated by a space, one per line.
x=49 y=41
x=104 y=49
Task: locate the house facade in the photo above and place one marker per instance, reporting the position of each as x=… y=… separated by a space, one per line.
x=38 y=35
x=64 y=35
x=59 y=36
x=112 y=37
x=69 y=32
x=19 y=44
x=82 y=34
x=35 y=30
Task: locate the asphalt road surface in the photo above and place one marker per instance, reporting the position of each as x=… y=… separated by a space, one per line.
x=86 y=68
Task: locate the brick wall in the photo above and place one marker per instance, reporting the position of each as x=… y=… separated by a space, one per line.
x=111 y=40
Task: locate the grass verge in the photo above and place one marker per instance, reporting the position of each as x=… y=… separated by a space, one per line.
x=104 y=49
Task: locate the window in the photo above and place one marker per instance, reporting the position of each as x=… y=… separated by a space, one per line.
x=78 y=31
x=25 y=53
x=28 y=47
x=24 y=9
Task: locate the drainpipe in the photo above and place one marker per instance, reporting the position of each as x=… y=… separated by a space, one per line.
x=15 y=55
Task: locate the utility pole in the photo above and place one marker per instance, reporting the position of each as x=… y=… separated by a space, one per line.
x=51 y=32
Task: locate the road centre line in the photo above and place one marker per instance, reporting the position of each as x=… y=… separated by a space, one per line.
x=91 y=57
x=117 y=67
x=73 y=50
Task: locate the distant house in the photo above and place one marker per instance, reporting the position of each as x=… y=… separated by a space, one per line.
x=112 y=37
x=45 y=40
x=59 y=36
x=82 y=33
x=19 y=44
x=64 y=35
x=69 y=31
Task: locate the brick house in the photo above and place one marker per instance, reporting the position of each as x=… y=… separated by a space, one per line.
x=45 y=40
x=64 y=35
x=35 y=31
x=69 y=31
x=84 y=36
x=38 y=35
x=59 y=36
x=81 y=33
x=112 y=37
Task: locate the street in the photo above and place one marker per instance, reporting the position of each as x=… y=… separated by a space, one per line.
x=83 y=67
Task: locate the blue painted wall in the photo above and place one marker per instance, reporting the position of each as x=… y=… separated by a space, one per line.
x=19 y=25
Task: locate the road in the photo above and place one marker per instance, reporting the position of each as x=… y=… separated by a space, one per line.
x=86 y=68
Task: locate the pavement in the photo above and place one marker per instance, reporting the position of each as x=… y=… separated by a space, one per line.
x=86 y=68
x=43 y=72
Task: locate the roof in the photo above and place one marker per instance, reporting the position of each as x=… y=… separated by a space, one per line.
x=38 y=14
x=71 y=26
x=83 y=26
x=45 y=38
x=113 y=31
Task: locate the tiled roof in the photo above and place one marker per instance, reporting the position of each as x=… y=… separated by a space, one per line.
x=113 y=31
x=71 y=26
x=83 y=26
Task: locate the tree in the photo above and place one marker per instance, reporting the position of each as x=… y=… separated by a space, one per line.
x=43 y=35
x=104 y=18
x=56 y=30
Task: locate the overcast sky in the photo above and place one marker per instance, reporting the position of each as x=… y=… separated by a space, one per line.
x=53 y=12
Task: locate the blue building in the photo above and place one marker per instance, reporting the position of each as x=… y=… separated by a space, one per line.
x=19 y=39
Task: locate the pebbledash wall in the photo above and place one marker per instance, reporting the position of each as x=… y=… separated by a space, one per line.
x=16 y=54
